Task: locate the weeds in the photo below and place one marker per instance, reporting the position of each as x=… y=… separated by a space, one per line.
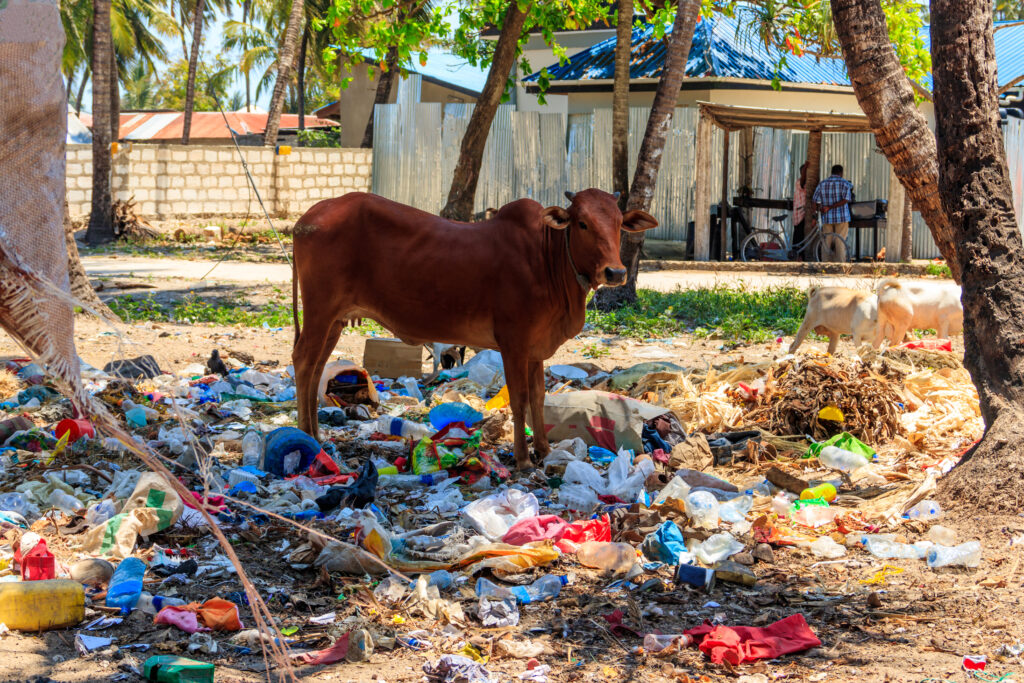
x=594 y=350
x=193 y=309
x=938 y=269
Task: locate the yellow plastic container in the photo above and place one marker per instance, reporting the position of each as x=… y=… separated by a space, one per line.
x=826 y=491
x=41 y=605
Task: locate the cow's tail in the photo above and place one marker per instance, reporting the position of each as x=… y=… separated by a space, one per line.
x=295 y=302
x=888 y=283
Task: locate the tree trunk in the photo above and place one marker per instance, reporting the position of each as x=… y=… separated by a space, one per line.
x=302 y=79
x=620 y=103
x=246 y=11
x=649 y=158
x=471 y=153
x=193 y=64
x=81 y=92
x=907 y=240
x=285 y=62
x=974 y=184
x=81 y=290
x=115 y=99
x=885 y=95
x=101 y=225
x=813 y=176
x=385 y=82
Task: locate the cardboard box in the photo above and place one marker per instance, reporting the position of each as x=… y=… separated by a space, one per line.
x=393 y=358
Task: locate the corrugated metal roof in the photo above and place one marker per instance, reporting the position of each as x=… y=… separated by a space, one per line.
x=722 y=49
x=205 y=124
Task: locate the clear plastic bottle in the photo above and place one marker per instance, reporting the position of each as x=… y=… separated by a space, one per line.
x=617 y=558
x=925 y=510
x=702 y=508
x=65 y=502
x=490 y=590
x=676 y=489
x=152 y=604
x=252 y=448
x=126 y=584
x=15 y=502
x=735 y=510
x=100 y=512
x=964 y=555
x=886 y=549
x=841 y=459
x=940 y=535
x=412 y=481
x=658 y=642
x=396 y=426
x=544 y=588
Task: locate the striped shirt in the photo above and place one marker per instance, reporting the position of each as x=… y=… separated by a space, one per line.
x=830 y=191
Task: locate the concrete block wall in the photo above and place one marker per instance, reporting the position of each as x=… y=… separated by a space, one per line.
x=197 y=181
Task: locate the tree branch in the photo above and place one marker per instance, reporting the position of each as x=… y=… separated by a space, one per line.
x=1011 y=84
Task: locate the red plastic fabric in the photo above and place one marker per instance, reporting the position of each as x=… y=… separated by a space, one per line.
x=330 y=655
x=738 y=644
x=928 y=345
x=322 y=466
x=599 y=529
x=539 y=528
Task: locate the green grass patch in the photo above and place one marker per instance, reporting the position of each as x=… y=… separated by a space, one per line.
x=735 y=314
x=938 y=269
x=193 y=309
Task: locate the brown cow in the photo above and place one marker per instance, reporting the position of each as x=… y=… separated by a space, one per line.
x=517 y=282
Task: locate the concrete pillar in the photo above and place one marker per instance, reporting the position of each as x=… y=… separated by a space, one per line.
x=894 y=219
x=702 y=191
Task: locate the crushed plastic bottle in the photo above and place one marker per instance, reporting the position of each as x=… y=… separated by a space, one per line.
x=940 y=535
x=887 y=549
x=100 y=512
x=252 y=448
x=65 y=502
x=396 y=426
x=126 y=584
x=925 y=510
x=654 y=642
x=152 y=604
x=964 y=555
x=702 y=508
x=841 y=459
x=15 y=502
x=735 y=511
x=544 y=588
x=826 y=548
x=412 y=481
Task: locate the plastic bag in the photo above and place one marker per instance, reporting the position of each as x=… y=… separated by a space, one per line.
x=580 y=472
x=666 y=544
x=717 y=548
x=494 y=515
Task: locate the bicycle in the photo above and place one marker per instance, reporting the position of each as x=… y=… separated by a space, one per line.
x=773 y=245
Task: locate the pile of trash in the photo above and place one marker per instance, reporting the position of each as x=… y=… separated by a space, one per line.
x=406 y=528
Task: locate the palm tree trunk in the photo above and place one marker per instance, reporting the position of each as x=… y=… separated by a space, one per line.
x=81 y=289
x=286 y=61
x=907 y=239
x=885 y=95
x=101 y=226
x=385 y=82
x=115 y=99
x=193 y=64
x=471 y=152
x=620 y=102
x=811 y=184
x=302 y=79
x=246 y=11
x=977 y=196
x=81 y=92
x=648 y=163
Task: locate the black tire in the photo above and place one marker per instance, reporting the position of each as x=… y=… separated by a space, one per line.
x=762 y=245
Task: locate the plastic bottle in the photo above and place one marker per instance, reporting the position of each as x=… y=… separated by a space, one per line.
x=656 y=643
x=126 y=584
x=489 y=589
x=617 y=558
x=925 y=510
x=412 y=481
x=886 y=549
x=735 y=510
x=827 y=548
x=578 y=497
x=15 y=502
x=152 y=604
x=940 y=535
x=252 y=449
x=130 y=406
x=396 y=426
x=676 y=489
x=702 y=508
x=841 y=459
x=826 y=491
x=964 y=555
x=65 y=502
x=100 y=512
x=544 y=588
x=41 y=605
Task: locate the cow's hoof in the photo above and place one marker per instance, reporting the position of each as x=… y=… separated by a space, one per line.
x=525 y=466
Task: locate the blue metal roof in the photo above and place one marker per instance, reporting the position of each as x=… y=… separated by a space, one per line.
x=722 y=49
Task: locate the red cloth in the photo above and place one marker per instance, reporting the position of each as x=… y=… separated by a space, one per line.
x=929 y=344
x=554 y=528
x=738 y=644
x=334 y=653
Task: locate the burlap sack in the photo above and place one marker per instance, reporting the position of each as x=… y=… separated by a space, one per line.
x=152 y=507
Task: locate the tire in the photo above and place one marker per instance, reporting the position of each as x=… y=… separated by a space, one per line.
x=763 y=245
x=831 y=242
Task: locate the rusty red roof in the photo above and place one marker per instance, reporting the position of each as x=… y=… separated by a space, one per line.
x=157 y=125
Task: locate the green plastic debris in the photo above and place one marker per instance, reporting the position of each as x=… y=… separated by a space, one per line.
x=844 y=440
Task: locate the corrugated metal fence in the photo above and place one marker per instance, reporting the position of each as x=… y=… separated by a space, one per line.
x=531 y=154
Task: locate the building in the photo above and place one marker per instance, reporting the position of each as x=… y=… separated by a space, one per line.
x=209 y=128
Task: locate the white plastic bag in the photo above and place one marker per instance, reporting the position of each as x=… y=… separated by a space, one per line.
x=494 y=515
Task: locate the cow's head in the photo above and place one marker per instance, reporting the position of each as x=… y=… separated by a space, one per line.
x=594 y=221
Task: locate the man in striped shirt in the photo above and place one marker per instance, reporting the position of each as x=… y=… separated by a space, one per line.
x=833 y=197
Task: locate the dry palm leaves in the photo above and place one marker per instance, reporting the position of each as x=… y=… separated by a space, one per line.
x=704 y=408
x=127 y=224
x=944 y=415
x=797 y=391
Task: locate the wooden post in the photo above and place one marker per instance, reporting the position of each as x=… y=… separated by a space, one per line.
x=723 y=205
x=702 y=190
x=894 y=219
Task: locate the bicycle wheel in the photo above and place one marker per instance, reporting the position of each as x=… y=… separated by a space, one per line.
x=763 y=245
x=831 y=248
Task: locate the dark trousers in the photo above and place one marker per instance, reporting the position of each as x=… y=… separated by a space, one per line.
x=798 y=232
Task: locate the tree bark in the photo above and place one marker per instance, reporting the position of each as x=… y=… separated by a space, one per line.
x=976 y=193
x=81 y=289
x=813 y=176
x=467 y=169
x=81 y=92
x=620 y=102
x=246 y=12
x=385 y=82
x=648 y=163
x=193 y=65
x=907 y=241
x=101 y=225
x=285 y=63
x=301 y=87
x=886 y=96
x=115 y=98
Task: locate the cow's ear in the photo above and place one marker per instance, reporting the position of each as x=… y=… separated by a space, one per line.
x=638 y=221
x=555 y=217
